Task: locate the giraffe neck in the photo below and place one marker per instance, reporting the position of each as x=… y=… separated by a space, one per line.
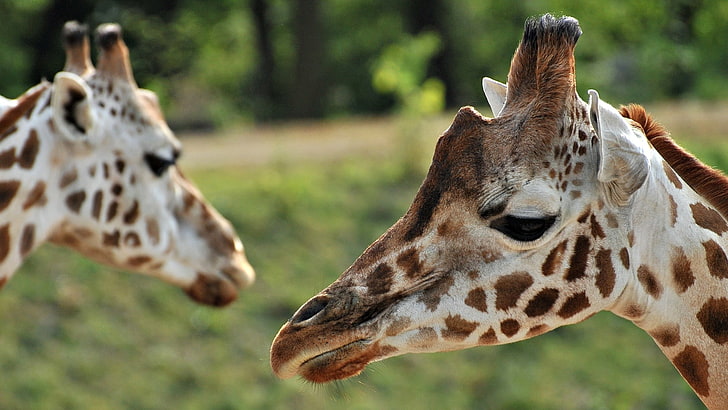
x=29 y=209
x=677 y=292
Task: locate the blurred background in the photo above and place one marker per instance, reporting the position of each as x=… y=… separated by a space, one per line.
x=310 y=125
x=263 y=60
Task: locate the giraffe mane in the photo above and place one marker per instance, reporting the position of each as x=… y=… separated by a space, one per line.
x=708 y=182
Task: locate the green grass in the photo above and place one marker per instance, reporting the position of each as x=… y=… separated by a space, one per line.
x=74 y=334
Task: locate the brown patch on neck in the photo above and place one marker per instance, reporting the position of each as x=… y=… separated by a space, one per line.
x=25 y=104
x=509 y=289
x=693 y=366
x=457 y=328
x=709 y=183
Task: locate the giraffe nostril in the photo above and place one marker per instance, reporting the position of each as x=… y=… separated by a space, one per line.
x=310 y=309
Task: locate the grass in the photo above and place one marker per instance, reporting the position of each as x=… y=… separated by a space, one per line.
x=74 y=334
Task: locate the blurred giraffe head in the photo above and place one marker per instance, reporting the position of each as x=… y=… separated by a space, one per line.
x=89 y=162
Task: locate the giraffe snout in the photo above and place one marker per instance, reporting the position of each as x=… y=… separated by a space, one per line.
x=324 y=308
x=311 y=309
x=212 y=290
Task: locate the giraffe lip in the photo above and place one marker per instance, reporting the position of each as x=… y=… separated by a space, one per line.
x=340 y=363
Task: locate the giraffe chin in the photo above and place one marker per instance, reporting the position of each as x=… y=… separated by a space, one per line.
x=212 y=291
x=344 y=362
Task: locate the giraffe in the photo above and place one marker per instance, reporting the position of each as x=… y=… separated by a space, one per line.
x=88 y=162
x=542 y=216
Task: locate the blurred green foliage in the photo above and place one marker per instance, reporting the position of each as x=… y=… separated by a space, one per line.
x=223 y=61
x=401 y=70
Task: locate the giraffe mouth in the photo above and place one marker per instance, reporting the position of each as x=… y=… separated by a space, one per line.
x=340 y=363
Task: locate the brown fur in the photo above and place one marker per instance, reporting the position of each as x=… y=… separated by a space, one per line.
x=542 y=73
x=708 y=182
x=25 y=103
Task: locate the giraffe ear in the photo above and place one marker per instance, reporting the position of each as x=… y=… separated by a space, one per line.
x=73 y=112
x=495 y=93
x=623 y=165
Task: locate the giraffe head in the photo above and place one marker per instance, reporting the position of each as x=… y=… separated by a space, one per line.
x=102 y=178
x=518 y=228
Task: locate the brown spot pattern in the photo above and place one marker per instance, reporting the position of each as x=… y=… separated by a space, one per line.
x=380 y=280
x=68 y=178
x=606 y=277
x=490 y=255
x=120 y=166
x=136 y=261
x=583 y=217
x=409 y=261
x=131 y=239
x=7 y=158
x=649 y=281
x=97 y=202
x=152 y=231
x=7 y=132
x=8 y=189
x=3 y=280
x=431 y=296
x=708 y=218
x=553 y=260
x=634 y=312
x=4 y=242
x=445 y=229
x=26 y=159
x=398 y=326
x=132 y=214
x=682 y=274
x=612 y=220
x=425 y=337
x=693 y=367
x=111 y=239
x=27 y=239
x=577 y=264
x=573 y=305
x=713 y=316
x=537 y=330
x=596 y=229
x=668 y=335
x=542 y=302
x=671 y=175
x=457 y=328
x=509 y=289
x=716 y=259
x=624 y=257
x=112 y=210
x=75 y=200
x=476 y=299
x=488 y=338
x=510 y=327
x=673 y=210
x=36 y=196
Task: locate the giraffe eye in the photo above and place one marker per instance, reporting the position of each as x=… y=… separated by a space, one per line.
x=523 y=229
x=157 y=164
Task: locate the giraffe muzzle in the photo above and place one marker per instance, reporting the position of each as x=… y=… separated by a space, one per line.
x=221 y=290
x=211 y=290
